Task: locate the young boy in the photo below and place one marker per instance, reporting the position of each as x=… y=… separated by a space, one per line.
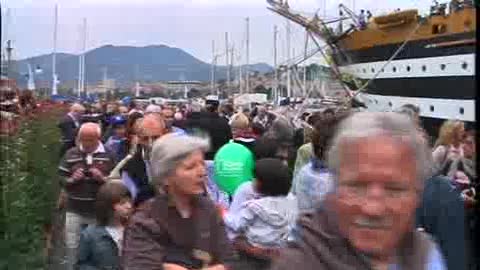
x=266 y=222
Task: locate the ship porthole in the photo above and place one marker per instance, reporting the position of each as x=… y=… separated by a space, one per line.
x=464 y=65
x=394 y=69
x=432 y=108
x=443 y=66
x=390 y=104
x=376 y=101
x=462 y=110
x=373 y=70
x=424 y=68
x=364 y=71
x=383 y=70
x=408 y=68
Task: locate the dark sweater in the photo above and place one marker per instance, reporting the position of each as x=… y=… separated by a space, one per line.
x=82 y=193
x=442 y=214
x=215 y=126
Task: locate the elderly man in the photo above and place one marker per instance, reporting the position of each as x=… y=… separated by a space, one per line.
x=83 y=170
x=69 y=126
x=367 y=222
x=136 y=172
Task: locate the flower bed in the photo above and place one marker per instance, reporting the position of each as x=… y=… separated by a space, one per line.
x=28 y=187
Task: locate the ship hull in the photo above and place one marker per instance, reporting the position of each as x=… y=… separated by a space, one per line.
x=441 y=84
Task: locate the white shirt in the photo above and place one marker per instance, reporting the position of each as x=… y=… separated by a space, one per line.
x=117 y=235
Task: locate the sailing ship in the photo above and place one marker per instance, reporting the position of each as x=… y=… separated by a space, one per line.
x=404 y=58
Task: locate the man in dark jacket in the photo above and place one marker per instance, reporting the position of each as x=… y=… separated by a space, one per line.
x=211 y=123
x=442 y=215
x=136 y=172
x=69 y=126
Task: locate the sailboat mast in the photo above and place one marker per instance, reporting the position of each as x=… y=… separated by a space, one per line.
x=83 y=53
x=289 y=88
x=212 y=77
x=54 y=54
x=247 y=68
x=226 y=59
x=275 y=82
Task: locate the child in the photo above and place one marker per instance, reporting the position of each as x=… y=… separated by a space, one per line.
x=266 y=222
x=100 y=244
x=117 y=141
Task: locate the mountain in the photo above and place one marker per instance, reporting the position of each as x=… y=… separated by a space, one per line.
x=127 y=64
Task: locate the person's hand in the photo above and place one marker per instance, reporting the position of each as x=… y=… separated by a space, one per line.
x=78 y=174
x=171 y=266
x=97 y=174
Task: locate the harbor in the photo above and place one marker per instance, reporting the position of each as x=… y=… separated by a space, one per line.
x=207 y=102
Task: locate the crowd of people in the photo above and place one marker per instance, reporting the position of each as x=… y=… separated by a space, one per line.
x=218 y=187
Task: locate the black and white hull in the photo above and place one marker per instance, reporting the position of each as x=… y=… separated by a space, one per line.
x=442 y=86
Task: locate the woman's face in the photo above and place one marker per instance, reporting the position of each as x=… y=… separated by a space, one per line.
x=123 y=209
x=460 y=132
x=469 y=147
x=189 y=176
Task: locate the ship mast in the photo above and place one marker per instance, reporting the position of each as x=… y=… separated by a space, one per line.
x=316 y=29
x=212 y=77
x=275 y=65
x=54 y=54
x=84 y=53
x=289 y=51
x=247 y=67
x=227 y=61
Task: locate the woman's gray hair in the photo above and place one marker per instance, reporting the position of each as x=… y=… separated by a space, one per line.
x=370 y=124
x=168 y=151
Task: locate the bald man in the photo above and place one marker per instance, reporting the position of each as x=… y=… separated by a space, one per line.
x=69 y=125
x=83 y=170
x=135 y=173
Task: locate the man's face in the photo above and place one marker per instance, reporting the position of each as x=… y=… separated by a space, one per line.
x=469 y=147
x=78 y=113
x=120 y=131
x=190 y=175
x=151 y=131
x=89 y=141
x=377 y=194
x=168 y=115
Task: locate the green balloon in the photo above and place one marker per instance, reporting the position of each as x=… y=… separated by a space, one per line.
x=234 y=164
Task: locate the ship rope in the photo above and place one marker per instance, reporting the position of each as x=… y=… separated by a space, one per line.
x=365 y=85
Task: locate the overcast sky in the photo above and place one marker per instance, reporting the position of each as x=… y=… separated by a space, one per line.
x=187 y=24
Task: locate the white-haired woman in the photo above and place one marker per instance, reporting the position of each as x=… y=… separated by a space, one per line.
x=180 y=228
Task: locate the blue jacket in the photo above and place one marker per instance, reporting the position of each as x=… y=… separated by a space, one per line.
x=97 y=250
x=442 y=214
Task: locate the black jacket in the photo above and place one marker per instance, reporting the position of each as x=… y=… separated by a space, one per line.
x=442 y=215
x=215 y=126
x=68 y=130
x=137 y=171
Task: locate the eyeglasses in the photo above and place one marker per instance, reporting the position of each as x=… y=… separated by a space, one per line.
x=468 y=142
x=149 y=138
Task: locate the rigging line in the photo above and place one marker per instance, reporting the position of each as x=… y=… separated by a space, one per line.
x=336 y=72
x=388 y=62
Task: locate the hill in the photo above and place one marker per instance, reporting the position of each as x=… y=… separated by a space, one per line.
x=126 y=64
